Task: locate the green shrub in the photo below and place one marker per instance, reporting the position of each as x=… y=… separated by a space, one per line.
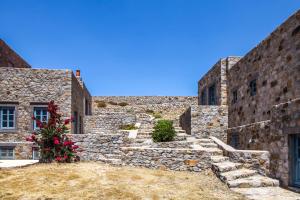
x=148 y=111
x=128 y=127
x=157 y=115
x=101 y=104
x=113 y=103
x=123 y=104
x=163 y=131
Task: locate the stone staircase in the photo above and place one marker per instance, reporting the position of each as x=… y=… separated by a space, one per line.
x=236 y=176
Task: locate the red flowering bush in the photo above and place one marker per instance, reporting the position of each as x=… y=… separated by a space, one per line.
x=52 y=139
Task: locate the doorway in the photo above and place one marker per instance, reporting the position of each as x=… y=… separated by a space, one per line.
x=295 y=161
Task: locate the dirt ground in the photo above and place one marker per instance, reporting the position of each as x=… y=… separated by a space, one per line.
x=94 y=180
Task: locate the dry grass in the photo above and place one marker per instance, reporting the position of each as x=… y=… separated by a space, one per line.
x=98 y=181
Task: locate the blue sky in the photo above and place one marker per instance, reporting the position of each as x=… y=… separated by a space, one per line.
x=138 y=47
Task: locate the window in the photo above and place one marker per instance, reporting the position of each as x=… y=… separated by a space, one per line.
x=7 y=117
x=253 y=88
x=35 y=153
x=7 y=153
x=234 y=96
x=40 y=113
x=86 y=107
x=234 y=142
x=80 y=125
x=75 y=122
x=203 y=97
x=212 y=95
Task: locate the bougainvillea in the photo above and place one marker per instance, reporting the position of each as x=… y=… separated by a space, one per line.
x=51 y=138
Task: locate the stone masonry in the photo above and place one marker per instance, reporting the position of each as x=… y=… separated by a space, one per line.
x=252 y=103
x=24 y=89
x=263 y=88
x=204 y=121
x=216 y=77
x=9 y=58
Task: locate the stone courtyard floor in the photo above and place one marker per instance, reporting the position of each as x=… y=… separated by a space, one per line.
x=16 y=163
x=92 y=180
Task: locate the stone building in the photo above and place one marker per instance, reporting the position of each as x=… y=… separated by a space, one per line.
x=8 y=58
x=212 y=88
x=262 y=91
x=25 y=92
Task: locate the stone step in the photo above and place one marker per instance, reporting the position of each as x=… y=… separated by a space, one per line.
x=217 y=159
x=208 y=145
x=237 y=174
x=204 y=140
x=213 y=151
x=253 y=181
x=225 y=166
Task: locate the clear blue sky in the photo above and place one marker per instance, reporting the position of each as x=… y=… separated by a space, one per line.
x=138 y=47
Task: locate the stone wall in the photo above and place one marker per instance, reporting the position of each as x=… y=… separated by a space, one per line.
x=145 y=100
x=272 y=135
x=275 y=65
x=205 y=121
x=9 y=58
x=167 y=158
x=170 y=107
x=99 y=146
x=80 y=97
x=107 y=122
x=216 y=76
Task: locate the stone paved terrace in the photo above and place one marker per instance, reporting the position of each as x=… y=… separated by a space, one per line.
x=16 y=163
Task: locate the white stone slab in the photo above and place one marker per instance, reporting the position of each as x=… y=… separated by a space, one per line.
x=16 y=163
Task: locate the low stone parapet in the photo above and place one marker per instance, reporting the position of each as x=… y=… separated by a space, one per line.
x=252 y=159
x=96 y=146
x=179 y=159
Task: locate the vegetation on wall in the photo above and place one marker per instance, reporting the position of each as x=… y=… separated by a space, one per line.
x=157 y=115
x=101 y=104
x=163 y=131
x=128 y=127
x=123 y=104
x=113 y=103
x=51 y=138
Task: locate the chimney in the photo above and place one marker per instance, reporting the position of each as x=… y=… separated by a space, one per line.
x=78 y=77
x=78 y=73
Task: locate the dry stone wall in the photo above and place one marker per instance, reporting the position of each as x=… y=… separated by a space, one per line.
x=99 y=146
x=164 y=158
x=205 y=121
x=170 y=107
x=108 y=122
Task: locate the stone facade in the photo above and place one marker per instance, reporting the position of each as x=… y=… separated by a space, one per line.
x=9 y=58
x=275 y=65
x=263 y=93
x=24 y=89
x=204 y=121
x=273 y=135
x=212 y=88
